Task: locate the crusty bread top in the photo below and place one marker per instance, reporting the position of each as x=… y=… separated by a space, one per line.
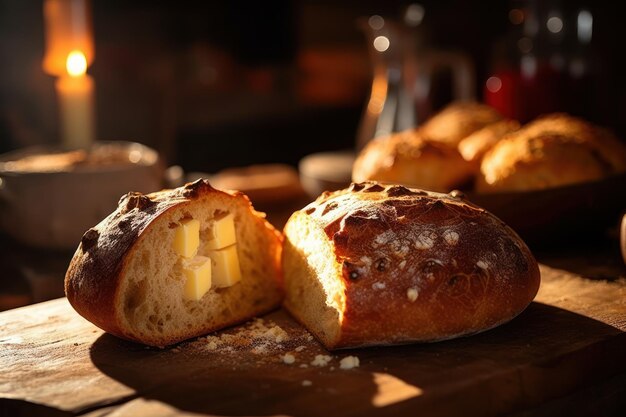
x=457 y=256
x=366 y=207
x=458 y=120
x=92 y=279
x=474 y=146
x=519 y=163
x=411 y=159
x=607 y=148
x=552 y=151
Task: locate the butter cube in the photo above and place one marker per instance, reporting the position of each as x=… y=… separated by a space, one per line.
x=197 y=271
x=226 y=270
x=223 y=233
x=187 y=238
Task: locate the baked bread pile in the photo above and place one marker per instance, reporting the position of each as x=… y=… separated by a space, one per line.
x=377 y=265
x=469 y=146
x=175 y=264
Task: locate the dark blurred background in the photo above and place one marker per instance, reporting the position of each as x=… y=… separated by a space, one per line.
x=230 y=83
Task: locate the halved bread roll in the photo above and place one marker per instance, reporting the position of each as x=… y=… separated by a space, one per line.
x=175 y=264
x=380 y=265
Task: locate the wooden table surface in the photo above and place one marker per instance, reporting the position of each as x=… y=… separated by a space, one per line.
x=565 y=355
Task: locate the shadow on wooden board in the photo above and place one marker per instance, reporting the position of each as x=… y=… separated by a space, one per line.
x=543 y=354
x=21 y=408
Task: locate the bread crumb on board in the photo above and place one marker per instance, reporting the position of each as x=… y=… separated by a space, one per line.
x=268 y=343
x=321 y=360
x=349 y=362
x=259 y=336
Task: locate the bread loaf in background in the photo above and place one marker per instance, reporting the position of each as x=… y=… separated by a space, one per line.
x=457 y=121
x=470 y=146
x=384 y=264
x=474 y=146
x=552 y=151
x=429 y=156
x=409 y=158
x=127 y=278
x=608 y=148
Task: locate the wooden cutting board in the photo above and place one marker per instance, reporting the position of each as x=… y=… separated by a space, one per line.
x=565 y=354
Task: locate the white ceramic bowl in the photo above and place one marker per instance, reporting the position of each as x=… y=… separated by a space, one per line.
x=49 y=197
x=326 y=171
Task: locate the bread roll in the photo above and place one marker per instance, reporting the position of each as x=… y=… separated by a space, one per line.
x=380 y=265
x=474 y=146
x=605 y=144
x=136 y=273
x=518 y=164
x=408 y=158
x=457 y=121
x=555 y=150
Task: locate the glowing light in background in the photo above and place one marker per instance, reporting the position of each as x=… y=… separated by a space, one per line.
x=516 y=16
x=76 y=63
x=376 y=22
x=134 y=156
x=585 y=26
x=381 y=43
x=528 y=66
x=414 y=14
x=379 y=93
x=555 y=24
x=493 y=84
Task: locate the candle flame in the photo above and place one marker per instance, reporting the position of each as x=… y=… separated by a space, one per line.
x=76 y=63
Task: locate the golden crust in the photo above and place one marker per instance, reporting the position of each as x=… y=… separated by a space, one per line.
x=420 y=266
x=408 y=158
x=552 y=151
x=601 y=141
x=474 y=146
x=457 y=121
x=92 y=281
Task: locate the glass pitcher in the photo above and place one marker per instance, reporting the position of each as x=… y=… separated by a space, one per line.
x=403 y=72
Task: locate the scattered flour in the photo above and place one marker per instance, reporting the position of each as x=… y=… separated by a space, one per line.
x=349 y=362
x=425 y=240
x=259 y=336
x=378 y=286
x=321 y=360
x=451 y=237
